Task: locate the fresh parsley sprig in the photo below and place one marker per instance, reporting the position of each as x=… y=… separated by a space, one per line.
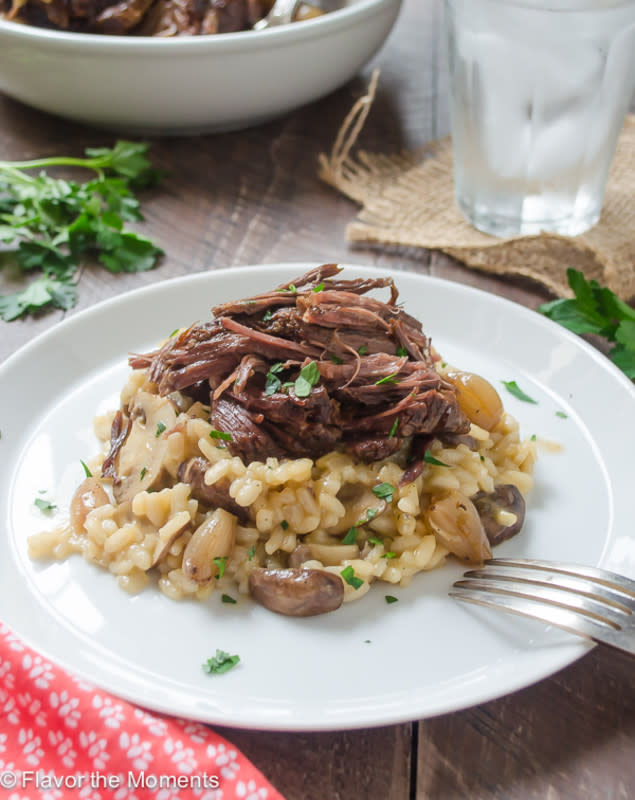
x=596 y=309
x=53 y=224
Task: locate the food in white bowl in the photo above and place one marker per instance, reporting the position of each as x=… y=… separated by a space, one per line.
x=304 y=444
x=190 y=84
x=147 y=17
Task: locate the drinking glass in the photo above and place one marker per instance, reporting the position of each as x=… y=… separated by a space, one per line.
x=539 y=92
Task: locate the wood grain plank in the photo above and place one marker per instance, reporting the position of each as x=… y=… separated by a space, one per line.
x=371 y=764
x=570 y=737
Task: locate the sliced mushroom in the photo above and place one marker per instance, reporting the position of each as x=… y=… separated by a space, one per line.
x=358 y=500
x=297 y=592
x=89 y=494
x=169 y=533
x=213 y=539
x=300 y=554
x=216 y=495
x=502 y=512
x=140 y=464
x=457 y=525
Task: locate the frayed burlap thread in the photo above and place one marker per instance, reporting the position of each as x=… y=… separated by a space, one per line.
x=407 y=199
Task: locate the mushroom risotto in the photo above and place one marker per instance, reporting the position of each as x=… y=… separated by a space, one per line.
x=301 y=445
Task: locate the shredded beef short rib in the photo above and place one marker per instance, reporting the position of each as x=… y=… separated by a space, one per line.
x=376 y=388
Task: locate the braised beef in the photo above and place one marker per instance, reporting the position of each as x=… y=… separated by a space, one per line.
x=374 y=388
x=139 y=17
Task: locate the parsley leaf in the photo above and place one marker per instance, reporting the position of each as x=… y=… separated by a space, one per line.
x=225 y=437
x=272 y=381
x=87 y=472
x=430 y=459
x=251 y=552
x=336 y=359
x=384 y=491
x=54 y=225
x=161 y=427
x=387 y=379
x=38 y=294
x=393 y=430
x=596 y=309
x=227 y=598
x=351 y=536
x=309 y=376
x=348 y=573
x=44 y=505
x=390 y=599
x=401 y=351
x=220 y=663
x=513 y=388
x=221 y=563
x=363 y=350
x=562 y=415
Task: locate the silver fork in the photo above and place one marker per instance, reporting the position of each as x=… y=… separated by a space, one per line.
x=588 y=601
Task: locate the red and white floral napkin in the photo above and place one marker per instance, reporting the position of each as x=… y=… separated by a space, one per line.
x=60 y=737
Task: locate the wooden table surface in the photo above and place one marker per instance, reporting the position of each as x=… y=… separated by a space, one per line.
x=254 y=197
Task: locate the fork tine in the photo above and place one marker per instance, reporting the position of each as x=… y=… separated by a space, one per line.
x=619 y=583
x=591 y=610
x=564 y=581
x=563 y=618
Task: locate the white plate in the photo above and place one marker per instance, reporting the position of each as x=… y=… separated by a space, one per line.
x=369 y=663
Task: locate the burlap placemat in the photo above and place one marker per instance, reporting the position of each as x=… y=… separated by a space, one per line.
x=407 y=199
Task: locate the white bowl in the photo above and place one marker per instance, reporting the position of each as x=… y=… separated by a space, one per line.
x=190 y=84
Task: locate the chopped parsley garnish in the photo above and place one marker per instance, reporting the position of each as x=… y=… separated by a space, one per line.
x=532 y=438
x=221 y=563
x=390 y=599
x=387 y=379
x=309 y=376
x=376 y=540
x=292 y=288
x=348 y=573
x=351 y=536
x=161 y=426
x=142 y=474
x=393 y=430
x=336 y=359
x=401 y=351
x=430 y=459
x=227 y=598
x=51 y=224
x=225 y=437
x=284 y=525
x=87 y=472
x=596 y=309
x=272 y=382
x=174 y=332
x=371 y=513
x=251 y=552
x=318 y=288
x=384 y=491
x=363 y=350
x=221 y=662
x=44 y=505
x=562 y=415
x=482 y=457
x=267 y=315
x=389 y=554
x=513 y=388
